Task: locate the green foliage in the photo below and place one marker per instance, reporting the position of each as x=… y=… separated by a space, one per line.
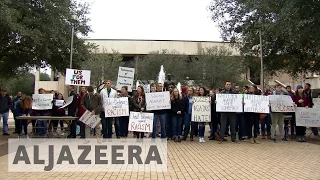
x=103 y=66
x=289 y=30
x=32 y=31
x=23 y=81
x=44 y=77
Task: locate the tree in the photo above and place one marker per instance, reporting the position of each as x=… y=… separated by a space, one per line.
x=148 y=67
x=32 y=32
x=23 y=81
x=289 y=31
x=103 y=66
x=44 y=77
x=215 y=65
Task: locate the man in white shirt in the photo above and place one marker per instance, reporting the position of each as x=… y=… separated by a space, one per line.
x=106 y=93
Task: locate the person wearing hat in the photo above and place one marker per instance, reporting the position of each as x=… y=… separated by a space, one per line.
x=5 y=105
x=301 y=99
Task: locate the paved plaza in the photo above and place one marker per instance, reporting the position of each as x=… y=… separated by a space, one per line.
x=210 y=160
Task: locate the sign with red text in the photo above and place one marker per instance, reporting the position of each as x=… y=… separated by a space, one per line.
x=309 y=117
x=256 y=103
x=281 y=103
x=116 y=107
x=125 y=78
x=229 y=103
x=77 y=77
x=140 y=122
x=201 y=109
x=158 y=100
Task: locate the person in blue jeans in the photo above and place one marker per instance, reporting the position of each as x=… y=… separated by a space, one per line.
x=187 y=114
x=5 y=106
x=177 y=107
x=202 y=125
x=159 y=115
x=41 y=125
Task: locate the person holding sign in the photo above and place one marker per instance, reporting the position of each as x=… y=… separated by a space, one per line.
x=202 y=125
x=124 y=120
x=139 y=105
x=159 y=115
x=177 y=108
x=106 y=93
x=92 y=102
x=187 y=115
x=301 y=100
x=57 y=111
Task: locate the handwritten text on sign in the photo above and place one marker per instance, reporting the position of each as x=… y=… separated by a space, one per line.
x=307 y=117
x=42 y=101
x=281 y=103
x=141 y=122
x=77 y=77
x=90 y=119
x=229 y=103
x=158 y=100
x=256 y=103
x=116 y=107
x=316 y=102
x=125 y=78
x=201 y=109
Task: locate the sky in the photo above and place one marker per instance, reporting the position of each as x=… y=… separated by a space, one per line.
x=152 y=19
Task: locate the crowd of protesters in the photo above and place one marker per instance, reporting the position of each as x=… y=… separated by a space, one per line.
x=172 y=124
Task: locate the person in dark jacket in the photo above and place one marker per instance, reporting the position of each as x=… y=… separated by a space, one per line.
x=139 y=105
x=253 y=119
x=57 y=111
x=81 y=111
x=159 y=115
x=308 y=92
x=214 y=135
x=72 y=109
x=92 y=102
x=5 y=106
x=187 y=114
x=23 y=108
x=13 y=110
x=301 y=100
x=124 y=120
x=177 y=108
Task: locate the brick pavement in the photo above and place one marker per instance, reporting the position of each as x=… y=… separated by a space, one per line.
x=210 y=160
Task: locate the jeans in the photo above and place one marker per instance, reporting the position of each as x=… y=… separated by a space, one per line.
x=214 y=124
x=266 y=121
x=224 y=121
x=168 y=125
x=124 y=123
x=21 y=123
x=41 y=125
x=187 y=123
x=241 y=125
x=16 y=123
x=116 y=127
x=202 y=127
x=106 y=126
x=277 y=118
x=176 y=125
x=4 y=117
x=315 y=131
x=195 y=128
x=253 y=120
x=162 y=118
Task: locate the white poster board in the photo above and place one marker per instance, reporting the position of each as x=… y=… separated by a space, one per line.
x=307 y=117
x=256 y=103
x=67 y=102
x=201 y=109
x=158 y=101
x=125 y=78
x=90 y=119
x=77 y=77
x=42 y=101
x=316 y=103
x=116 y=107
x=229 y=103
x=141 y=122
x=146 y=88
x=59 y=103
x=281 y=103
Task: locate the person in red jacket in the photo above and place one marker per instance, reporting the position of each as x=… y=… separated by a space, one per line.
x=301 y=100
x=81 y=111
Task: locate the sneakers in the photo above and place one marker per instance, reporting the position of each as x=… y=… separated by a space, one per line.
x=255 y=141
x=201 y=140
x=274 y=140
x=301 y=139
x=284 y=140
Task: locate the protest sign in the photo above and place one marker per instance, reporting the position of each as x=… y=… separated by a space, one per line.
x=201 y=109
x=42 y=101
x=281 y=103
x=77 y=77
x=141 y=122
x=309 y=117
x=59 y=103
x=229 y=103
x=125 y=78
x=116 y=107
x=256 y=103
x=68 y=101
x=158 y=100
x=316 y=102
x=146 y=88
x=90 y=119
